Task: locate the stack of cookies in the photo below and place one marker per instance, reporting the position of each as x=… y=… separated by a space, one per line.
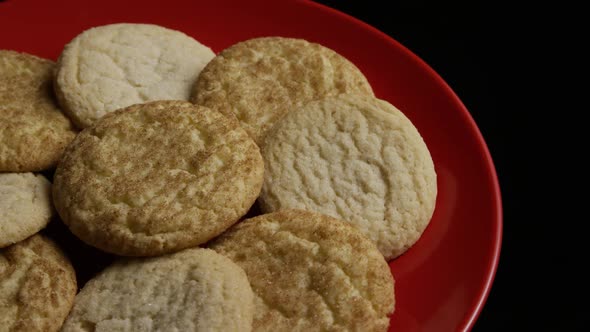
x=264 y=188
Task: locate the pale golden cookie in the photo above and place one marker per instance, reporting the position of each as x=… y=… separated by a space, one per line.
x=310 y=272
x=33 y=130
x=358 y=159
x=259 y=80
x=25 y=206
x=37 y=286
x=114 y=66
x=191 y=290
x=157 y=177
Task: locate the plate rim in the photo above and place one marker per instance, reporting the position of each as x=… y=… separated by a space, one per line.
x=492 y=265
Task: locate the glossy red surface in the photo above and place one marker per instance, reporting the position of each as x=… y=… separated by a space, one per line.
x=443 y=281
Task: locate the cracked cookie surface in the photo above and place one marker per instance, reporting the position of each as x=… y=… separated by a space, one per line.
x=113 y=66
x=191 y=290
x=259 y=80
x=37 y=286
x=355 y=158
x=310 y=272
x=33 y=130
x=25 y=206
x=157 y=177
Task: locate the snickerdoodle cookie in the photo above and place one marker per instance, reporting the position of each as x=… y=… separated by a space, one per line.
x=33 y=130
x=259 y=80
x=157 y=177
x=310 y=272
x=37 y=286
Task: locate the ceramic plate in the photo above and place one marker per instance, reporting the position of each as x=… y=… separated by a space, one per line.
x=442 y=282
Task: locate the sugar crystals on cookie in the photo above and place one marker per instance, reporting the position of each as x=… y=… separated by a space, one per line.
x=257 y=81
x=157 y=177
x=356 y=158
x=33 y=130
x=113 y=66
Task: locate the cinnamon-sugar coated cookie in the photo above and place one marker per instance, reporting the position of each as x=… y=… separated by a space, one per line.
x=33 y=130
x=37 y=286
x=355 y=158
x=260 y=80
x=157 y=177
x=310 y=272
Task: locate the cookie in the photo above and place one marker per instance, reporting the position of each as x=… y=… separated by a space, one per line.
x=25 y=206
x=157 y=177
x=310 y=272
x=355 y=158
x=33 y=130
x=191 y=290
x=259 y=80
x=114 y=66
x=37 y=286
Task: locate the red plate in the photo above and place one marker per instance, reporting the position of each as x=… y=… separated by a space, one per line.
x=443 y=281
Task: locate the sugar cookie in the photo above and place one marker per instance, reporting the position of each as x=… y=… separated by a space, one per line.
x=25 y=206
x=355 y=158
x=114 y=66
x=191 y=290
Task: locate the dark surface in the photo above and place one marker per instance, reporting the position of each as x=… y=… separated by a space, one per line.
x=496 y=59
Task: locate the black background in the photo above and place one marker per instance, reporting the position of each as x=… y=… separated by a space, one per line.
x=502 y=62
